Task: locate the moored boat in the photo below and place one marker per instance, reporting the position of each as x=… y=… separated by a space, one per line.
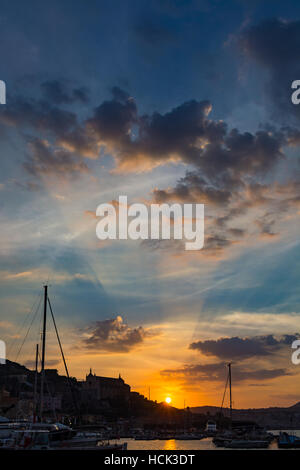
x=288 y=441
x=246 y=444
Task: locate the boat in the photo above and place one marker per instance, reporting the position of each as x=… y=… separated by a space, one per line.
x=41 y=435
x=29 y=439
x=26 y=440
x=211 y=428
x=221 y=440
x=57 y=431
x=59 y=436
x=240 y=439
x=189 y=437
x=246 y=444
x=85 y=445
x=7 y=443
x=288 y=441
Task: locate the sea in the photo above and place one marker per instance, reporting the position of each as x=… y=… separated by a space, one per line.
x=203 y=444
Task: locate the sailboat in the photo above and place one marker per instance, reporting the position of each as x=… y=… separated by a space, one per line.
x=231 y=439
x=38 y=434
x=221 y=439
x=288 y=441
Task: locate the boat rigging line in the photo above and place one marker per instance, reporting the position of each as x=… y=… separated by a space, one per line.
x=63 y=358
x=28 y=330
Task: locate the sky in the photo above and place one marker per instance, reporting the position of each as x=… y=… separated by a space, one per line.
x=164 y=102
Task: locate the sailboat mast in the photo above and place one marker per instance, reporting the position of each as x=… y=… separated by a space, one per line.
x=35 y=383
x=230 y=392
x=43 y=350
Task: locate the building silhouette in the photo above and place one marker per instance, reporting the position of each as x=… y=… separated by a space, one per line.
x=102 y=388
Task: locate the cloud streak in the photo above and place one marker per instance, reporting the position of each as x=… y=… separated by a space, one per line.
x=216 y=372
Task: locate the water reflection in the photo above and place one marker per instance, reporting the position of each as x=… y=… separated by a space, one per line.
x=170 y=444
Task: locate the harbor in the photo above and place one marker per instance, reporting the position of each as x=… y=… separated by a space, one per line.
x=39 y=421
x=42 y=436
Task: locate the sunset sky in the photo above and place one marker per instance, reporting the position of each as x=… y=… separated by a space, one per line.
x=162 y=101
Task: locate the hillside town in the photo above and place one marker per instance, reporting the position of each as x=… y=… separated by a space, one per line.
x=99 y=401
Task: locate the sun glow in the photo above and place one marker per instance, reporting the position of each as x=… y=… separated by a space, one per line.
x=168 y=400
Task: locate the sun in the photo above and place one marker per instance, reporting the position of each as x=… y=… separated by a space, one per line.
x=168 y=400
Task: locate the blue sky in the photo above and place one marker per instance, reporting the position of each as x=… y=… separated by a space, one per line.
x=182 y=101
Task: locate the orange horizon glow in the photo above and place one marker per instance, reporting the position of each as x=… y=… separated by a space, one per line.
x=148 y=369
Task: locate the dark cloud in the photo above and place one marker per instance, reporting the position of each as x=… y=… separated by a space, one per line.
x=228 y=177
x=109 y=126
x=224 y=167
x=217 y=372
x=241 y=348
x=115 y=336
x=152 y=138
x=179 y=132
x=221 y=159
x=112 y=120
x=193 y=188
